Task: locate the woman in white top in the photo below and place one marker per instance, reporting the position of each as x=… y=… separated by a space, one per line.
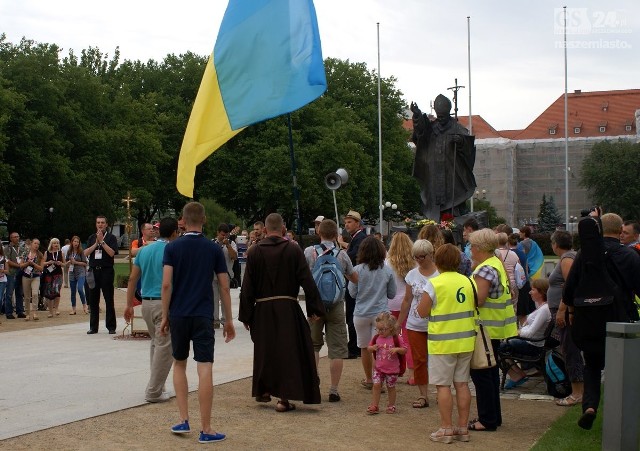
x=400 y=260
x=533 y=329
x=416 y=280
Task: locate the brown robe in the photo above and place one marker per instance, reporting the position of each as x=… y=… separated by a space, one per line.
x=283 y=360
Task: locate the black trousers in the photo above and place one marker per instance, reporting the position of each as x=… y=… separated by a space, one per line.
x=350 y=305
x=593 y=366
x=487 y=383
x=104 y=282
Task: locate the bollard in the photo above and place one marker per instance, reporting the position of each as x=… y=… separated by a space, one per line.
x=621 y=419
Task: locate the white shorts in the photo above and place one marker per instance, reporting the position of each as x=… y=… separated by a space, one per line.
x=365 y=329
x=444 y=369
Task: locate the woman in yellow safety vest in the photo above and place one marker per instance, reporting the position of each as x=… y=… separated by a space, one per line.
x=499 y=320
x=448 y=301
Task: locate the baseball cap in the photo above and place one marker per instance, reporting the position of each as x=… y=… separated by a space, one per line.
x=353 y=215
x=319 y=219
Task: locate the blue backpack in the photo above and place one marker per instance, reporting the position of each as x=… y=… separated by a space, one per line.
x=558 y=384
x=328 y=276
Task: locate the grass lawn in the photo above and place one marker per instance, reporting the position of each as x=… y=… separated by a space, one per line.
x=565 y=434
x=121 y=269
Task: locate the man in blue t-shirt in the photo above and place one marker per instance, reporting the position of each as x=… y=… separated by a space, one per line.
x=148 y=265
x=187 y=311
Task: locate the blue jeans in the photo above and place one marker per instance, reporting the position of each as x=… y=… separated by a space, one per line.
x=14 y=284
x=77 y=285
x=3 y=288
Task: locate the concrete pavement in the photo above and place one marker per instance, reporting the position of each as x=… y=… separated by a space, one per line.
x=56 y=375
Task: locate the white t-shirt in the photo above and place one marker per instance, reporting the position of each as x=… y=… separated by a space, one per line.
x=417 y=282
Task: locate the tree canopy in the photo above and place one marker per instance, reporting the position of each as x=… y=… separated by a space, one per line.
x=77 y=132
x=611 y=173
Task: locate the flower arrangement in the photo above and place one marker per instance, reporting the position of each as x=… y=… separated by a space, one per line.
x=445 y=223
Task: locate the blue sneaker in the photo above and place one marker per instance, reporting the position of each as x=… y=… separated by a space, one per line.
x=513 y=384
x=181 y=428
x=208 y=438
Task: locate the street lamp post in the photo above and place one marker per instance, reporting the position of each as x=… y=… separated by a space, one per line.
x=394 y=208
x=50 y=223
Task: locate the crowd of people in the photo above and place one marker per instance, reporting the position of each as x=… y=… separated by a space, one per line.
x=416 y=304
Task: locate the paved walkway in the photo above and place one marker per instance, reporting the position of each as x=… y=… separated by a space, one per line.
x=57 y=375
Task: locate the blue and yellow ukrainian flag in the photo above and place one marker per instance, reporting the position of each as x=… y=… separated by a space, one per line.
x=267 y=61
x=535 y=260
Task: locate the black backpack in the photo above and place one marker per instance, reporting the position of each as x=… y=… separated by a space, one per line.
x=556 y=377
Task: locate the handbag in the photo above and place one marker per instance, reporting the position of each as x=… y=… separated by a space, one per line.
x=483 y=356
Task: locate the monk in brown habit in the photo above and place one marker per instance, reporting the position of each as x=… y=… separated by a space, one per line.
x=283 y=359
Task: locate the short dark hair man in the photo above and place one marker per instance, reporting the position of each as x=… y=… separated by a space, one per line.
x=148 y=266
x=12 y=253
x=230 y=251
x=334 y=324
x=187 y=305
x=630 y=233
x=102 y=246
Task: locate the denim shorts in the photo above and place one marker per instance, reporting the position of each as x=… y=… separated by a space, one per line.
x=198 y=330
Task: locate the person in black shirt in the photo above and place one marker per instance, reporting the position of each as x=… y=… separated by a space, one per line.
x=102 y=246
x=352 y=225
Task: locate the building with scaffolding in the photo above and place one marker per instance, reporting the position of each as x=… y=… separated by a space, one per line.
x=514 y=168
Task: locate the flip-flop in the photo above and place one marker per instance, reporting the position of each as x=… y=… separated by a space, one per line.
x=285 y=406
x=473 y=427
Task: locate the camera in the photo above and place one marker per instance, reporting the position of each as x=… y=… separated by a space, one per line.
x=585 y=212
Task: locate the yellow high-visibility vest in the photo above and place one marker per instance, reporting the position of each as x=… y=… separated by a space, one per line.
x=452 y=326
x=497 y=315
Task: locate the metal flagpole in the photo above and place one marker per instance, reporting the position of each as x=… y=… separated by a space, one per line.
x=379 y=136
x=296 y=192
x=566 y=129
x=469 y=66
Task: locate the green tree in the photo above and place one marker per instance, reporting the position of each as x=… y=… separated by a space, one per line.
x=252 y=173
x=611 y=173
x=548 y=216
x=492 y=214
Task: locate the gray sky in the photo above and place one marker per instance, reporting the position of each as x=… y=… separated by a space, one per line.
x=517 y=60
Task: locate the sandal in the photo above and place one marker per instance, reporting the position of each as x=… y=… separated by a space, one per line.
x=391 y=409
x=442 y=435
x=264 y=398
x=420 y=403
x=285 y=406
x=569 y=401
x=365 y=384
x=461 y=434
x=473 y=426
x=373 y=410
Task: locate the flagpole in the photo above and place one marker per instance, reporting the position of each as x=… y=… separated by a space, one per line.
x=379 y=137
x=566 y=130
x=296 y=193
x=469 y=66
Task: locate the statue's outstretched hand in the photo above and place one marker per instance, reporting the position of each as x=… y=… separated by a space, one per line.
x=414 y=108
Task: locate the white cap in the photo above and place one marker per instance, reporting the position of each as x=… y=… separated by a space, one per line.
x=319 y=219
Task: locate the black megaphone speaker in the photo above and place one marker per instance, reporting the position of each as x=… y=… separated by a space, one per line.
x=335 y=180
